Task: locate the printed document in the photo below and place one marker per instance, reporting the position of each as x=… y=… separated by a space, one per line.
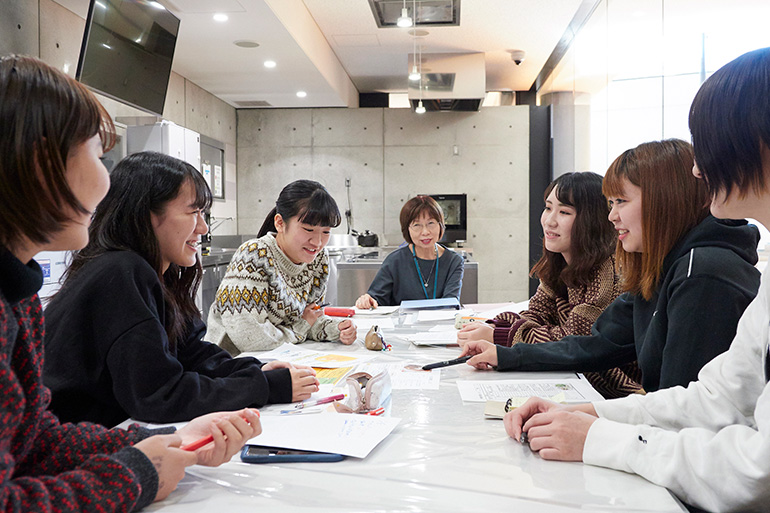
x=574 y=390
x=322 y=359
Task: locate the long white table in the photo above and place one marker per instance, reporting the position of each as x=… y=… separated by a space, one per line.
x=443 y=456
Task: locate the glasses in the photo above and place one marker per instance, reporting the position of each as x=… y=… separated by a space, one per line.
x=418 y=227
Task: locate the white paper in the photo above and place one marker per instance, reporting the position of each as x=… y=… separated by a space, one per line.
x=441 y=315
x=380 y=310
x=404 y=376
x=444 y=328
x=510 y=307
x=321 y=359
x=575 y=390
x=348 y=434
x=433 y=338
x=365 y=323
x=218 y=182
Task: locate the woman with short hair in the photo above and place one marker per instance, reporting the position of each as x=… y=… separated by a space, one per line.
x=422 y=268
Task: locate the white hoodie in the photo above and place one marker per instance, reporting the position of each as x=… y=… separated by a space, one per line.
x=708 y=443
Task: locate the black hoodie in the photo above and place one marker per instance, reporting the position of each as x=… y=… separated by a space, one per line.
x=708 y=280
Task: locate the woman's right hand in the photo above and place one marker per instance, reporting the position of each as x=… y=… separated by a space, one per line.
x=483 y=354
x=303 y=383
x=168 y=459
x=312 y=313
x=475 y=331
x=366 y=302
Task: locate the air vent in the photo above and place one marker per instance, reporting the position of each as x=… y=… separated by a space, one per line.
x=250 y=104
x=436 y=13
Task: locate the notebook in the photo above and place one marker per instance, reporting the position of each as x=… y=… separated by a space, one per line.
x=431 y=304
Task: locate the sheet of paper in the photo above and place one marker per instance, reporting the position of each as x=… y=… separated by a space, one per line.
x=444 y=328
x=331 y=376
x=404 y=376
x=380 y=310
x=323 y=359
x=348 y=434
x=433 y=338
x=511 y=307
x=441 y=315
x=575 y=390
x=365 y=323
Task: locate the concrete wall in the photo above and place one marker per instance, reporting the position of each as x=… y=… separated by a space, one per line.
x=391 y=155
x=52 y=32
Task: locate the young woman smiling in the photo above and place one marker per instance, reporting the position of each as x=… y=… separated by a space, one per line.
x=708 y=443
x=422 y=269
x=52 y=132
x=125 y=336
x=577 y=279
x=273 y=284
x=688 y=278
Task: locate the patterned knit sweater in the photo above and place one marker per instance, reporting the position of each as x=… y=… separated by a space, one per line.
x=45 y=465
x=260 y=301
x=553 y=317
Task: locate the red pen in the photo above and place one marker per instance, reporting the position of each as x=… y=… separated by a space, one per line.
x=378 y=411
x=194 y=446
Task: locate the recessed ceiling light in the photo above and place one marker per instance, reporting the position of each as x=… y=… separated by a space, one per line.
x=220 y=17
x=301 y=94
x=244 y=43
x=270 y=64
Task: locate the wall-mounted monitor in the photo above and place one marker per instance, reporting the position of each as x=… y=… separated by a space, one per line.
x=455 y=211
x=127 y=50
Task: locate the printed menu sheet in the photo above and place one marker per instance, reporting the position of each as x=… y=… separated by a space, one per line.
x=574 y=390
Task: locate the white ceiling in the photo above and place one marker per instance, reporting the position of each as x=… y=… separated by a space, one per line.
x=332 y=49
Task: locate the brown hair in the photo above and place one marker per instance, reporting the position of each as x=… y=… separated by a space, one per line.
x=44 y=114
x=593 y=236
x=673 y=203
x=414 y=208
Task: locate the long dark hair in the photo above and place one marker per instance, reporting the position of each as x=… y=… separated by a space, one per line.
x=44 y=114
x=593 y=236
x=143 y=184
x=309 y=201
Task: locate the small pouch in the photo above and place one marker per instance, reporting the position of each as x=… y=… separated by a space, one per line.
x=364 y=392
x=373 y=340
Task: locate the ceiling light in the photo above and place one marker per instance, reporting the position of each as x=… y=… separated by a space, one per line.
x=414 y=75
x=404 y=21
x=221 y=17
x=301 y=94
x=245 y=43
x=270 y=64
x=420 y=109
x=157 y=5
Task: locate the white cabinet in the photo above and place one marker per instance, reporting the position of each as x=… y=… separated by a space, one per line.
x=166 y=137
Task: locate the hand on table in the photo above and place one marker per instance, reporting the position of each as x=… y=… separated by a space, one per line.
x=366 y=302
x=303 y=383
x=556 y=431
x=475 y=331
x=168 y=459
x=484 y=354
x=348 y=332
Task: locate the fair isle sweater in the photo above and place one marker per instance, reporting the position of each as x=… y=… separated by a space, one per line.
x=551 y=316
x=46 y=465
x=260 y=302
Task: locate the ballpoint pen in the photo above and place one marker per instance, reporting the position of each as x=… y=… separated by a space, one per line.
x=446 y=363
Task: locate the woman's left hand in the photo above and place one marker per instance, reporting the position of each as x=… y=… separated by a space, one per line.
x=348 y=332
x=229 y=429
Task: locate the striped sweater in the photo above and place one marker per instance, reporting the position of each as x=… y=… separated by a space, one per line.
x=553 y=317
x=260 y=302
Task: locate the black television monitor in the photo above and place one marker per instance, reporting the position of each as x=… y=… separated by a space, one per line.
x=127 y=50
x=455 y=216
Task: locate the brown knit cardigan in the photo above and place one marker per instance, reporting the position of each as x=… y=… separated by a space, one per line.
x=553 y=317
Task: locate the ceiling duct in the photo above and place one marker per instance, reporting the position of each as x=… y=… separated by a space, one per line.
x=430 y=13
x=450 y=81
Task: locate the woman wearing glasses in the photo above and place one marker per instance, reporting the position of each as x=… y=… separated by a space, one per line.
x=422 y=269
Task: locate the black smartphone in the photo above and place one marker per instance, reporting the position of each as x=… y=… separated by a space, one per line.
x=262 y=454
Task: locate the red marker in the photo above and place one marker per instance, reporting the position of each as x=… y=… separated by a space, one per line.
x=378 y=411
x=194 y=446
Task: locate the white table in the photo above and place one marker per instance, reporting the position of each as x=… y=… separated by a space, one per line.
x=443 y=457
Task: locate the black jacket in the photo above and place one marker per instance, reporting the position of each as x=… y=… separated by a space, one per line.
x=107 y=356
x=708 y=280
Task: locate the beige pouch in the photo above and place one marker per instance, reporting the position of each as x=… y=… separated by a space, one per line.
x=364 y=393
